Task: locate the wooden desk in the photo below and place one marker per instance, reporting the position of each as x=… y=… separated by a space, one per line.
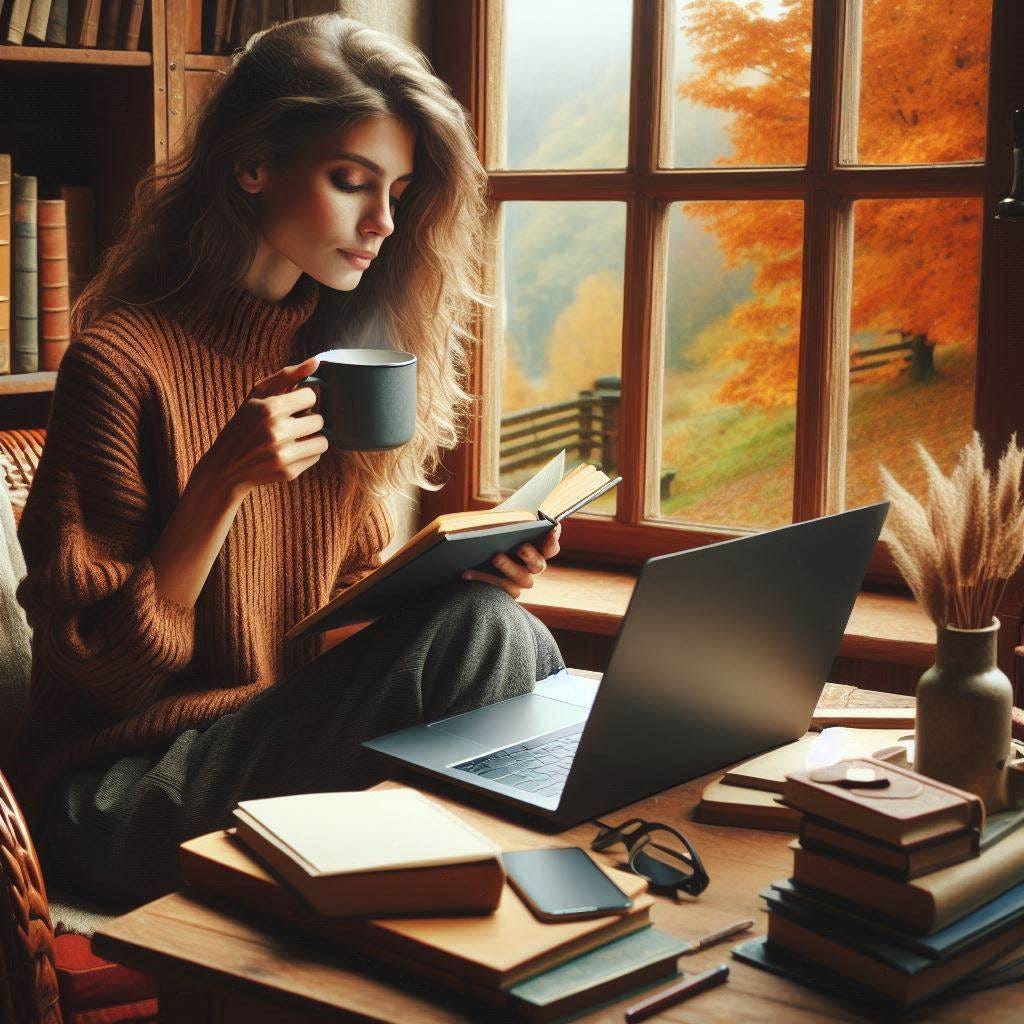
x=216 y=967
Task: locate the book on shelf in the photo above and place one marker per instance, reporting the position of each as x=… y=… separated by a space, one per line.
x=54 y=300
x=482 y=956
x=80 y=207
x=110 y=19
x=646 y=957
x=38 y=19
x=905 y=809
x=360 y=853
x=57 y=30
x=5 y=262
x=15 y=19
x=133 y=24
x=84 y=23
x=453 y=543
x=922 y=905
x=25 y=258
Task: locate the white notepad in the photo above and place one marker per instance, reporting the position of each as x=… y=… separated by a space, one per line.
x=346 y=833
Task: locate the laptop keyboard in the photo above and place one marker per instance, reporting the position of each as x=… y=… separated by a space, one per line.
x=540 y=765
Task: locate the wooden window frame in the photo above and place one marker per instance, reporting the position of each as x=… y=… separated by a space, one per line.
x=465 y=41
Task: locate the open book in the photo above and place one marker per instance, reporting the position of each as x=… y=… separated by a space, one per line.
x=452 y=543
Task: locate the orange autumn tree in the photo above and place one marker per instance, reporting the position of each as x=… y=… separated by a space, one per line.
x=922 y=95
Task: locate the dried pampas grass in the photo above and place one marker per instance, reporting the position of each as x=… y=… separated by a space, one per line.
x=958 y=549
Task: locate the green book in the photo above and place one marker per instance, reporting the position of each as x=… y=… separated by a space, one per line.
x=610 y=971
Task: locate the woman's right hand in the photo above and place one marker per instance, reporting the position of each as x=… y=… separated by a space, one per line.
x=267 y=441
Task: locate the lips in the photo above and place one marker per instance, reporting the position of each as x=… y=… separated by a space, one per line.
x=358 y=259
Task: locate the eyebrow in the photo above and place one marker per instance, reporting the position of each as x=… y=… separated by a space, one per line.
x=367 y=163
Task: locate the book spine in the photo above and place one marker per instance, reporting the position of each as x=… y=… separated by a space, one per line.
x=54 y=304
x=109 y=20
x=5 y=262
x=133 y=29
x=25 y=347
x=57 y=31
x=80 y=204
x=38 y=19
x=90 y=24
x=18 y=21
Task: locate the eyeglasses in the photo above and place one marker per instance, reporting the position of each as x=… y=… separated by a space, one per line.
x=657 y=852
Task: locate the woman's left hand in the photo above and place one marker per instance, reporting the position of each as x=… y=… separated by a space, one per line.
x=516 y=577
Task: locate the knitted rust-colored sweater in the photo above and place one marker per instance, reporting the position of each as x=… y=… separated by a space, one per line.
x=116 y=667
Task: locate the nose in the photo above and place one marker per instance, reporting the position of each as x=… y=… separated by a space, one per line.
x=378 y=220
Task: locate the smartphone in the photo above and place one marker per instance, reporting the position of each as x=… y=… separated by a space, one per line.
x=563 y=884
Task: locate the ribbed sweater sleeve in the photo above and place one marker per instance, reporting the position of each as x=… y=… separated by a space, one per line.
x=87 y=530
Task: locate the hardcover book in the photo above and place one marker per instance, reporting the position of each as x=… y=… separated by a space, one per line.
x=25 y=342
x=480 y=955
x=922 y=905
x=5 y=262
x=905 y=809
x=453 y=543
x=390 y=852
x=54 y=298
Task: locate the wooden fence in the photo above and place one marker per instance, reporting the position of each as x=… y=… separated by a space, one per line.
x=911 y=349
x=587 y=426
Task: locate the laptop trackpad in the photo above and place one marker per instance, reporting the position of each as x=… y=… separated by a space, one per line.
x=511 y=721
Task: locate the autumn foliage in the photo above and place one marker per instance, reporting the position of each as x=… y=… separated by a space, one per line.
x=922 y=100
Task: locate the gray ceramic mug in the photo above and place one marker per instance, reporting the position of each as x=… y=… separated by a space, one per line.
x=367 y=397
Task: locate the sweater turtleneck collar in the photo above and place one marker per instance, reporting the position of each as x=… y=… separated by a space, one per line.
x=249 y=328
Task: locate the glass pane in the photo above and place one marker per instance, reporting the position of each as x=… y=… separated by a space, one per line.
x=563 y=266
x=566 y=83
x=913 y=326
x=732 y=324
x=741 y=82
x=923 y=80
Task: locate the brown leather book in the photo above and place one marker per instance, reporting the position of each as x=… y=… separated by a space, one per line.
x=896 y=986
x=80 y=207
x=480 y=954
x=899 y=862
x=83 y=23
x=722 y=803
x=922 y=905
x=905 y=809
x=54 y=304
x=133 y=24
x=5 y=262
x=110 y=19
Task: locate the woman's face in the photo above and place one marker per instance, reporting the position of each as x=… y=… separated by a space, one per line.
x=328 y=212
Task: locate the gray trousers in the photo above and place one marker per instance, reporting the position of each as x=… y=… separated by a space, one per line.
x=110 y=832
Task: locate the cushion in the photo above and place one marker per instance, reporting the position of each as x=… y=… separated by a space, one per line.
x=20 y=451
x=88 y=982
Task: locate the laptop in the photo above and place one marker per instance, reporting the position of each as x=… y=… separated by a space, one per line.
x=722 y=654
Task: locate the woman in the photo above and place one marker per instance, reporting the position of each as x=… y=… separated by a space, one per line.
x=187 y=509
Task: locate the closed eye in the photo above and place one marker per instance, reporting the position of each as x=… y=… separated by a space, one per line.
x=346 y=187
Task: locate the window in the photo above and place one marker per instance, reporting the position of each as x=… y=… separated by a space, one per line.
x=743 y=249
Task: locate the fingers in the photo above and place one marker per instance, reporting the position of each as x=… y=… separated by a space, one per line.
x=291 y=402
x=518 y=574
x=304 y=426
x=551 y=547
x=532 y=558
x=502 y=582
x=284 y=379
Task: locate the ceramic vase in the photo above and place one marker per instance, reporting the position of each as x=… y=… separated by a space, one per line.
x=964 y=724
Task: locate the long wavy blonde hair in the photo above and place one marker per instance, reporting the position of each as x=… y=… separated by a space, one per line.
x=193 y=231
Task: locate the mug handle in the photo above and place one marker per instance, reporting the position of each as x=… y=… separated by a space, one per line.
x=317 y=383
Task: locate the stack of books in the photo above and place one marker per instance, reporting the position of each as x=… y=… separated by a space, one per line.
x=47 y=255
x=901 y=890
x=399 y=879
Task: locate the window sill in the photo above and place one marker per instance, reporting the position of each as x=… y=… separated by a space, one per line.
x=884 y=627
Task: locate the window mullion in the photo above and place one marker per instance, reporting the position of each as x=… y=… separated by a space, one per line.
x=821 y=377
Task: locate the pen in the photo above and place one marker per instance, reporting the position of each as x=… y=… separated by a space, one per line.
x=677 y=993
x=723 y=933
